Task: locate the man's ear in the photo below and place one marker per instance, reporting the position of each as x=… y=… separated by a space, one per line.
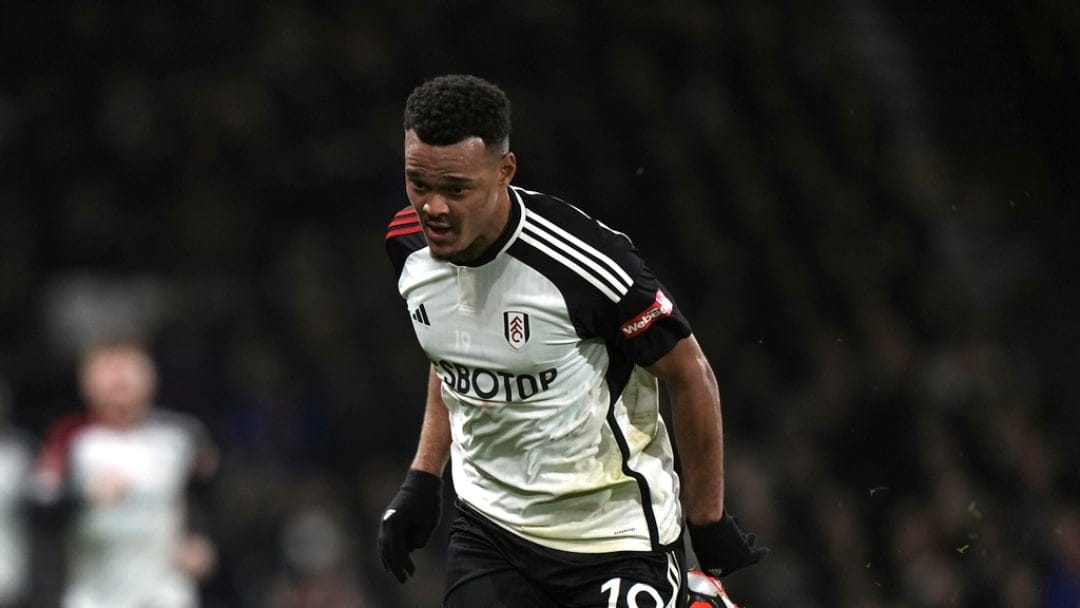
x=507 y=168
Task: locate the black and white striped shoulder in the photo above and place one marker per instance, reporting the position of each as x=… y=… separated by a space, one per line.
x=561 y=235
x=609 y=290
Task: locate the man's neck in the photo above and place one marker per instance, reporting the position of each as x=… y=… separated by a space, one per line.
x=481 y=249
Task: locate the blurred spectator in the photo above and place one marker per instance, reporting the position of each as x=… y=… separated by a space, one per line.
x=124 y=468
x=16 y=458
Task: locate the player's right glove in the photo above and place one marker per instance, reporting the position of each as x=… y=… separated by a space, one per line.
x=408 y=522
x=722 y=548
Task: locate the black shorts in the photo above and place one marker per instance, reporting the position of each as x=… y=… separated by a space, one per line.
x=489 y=567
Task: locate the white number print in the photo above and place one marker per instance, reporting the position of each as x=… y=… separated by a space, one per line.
x=462 y=340
x=613 y=587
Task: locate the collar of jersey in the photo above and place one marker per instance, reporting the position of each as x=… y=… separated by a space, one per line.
x=513 y=226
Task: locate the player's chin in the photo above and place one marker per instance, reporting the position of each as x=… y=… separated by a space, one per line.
x=443 y=246
x=443 y=252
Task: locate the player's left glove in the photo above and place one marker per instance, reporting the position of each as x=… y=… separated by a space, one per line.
x=723 y=548
x=408 y=522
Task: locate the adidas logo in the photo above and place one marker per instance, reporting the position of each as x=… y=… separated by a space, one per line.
x=420 y=316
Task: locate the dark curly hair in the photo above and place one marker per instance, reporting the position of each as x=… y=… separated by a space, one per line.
x=448 y=109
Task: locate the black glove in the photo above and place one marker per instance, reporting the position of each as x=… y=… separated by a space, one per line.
x=722 y=548
x=408 y=522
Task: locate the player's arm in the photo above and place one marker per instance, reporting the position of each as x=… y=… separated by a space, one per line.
x=196 y=554
x=433 y=449
x=413 y=514
x=695 y=404
x=720 y=546
x=52 y=490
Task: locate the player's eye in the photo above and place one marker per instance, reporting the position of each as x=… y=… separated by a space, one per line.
x=418 y=187
x=457 y=191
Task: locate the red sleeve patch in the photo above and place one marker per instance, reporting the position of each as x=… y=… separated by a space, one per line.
x=404 y=222
x=52 y=462
x=660 y=308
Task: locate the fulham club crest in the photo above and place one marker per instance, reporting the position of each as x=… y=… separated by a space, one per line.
x=516 y=328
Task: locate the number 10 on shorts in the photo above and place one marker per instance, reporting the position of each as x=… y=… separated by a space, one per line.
x=613 y=589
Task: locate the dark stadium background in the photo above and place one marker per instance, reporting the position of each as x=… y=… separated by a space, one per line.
x=866 y=209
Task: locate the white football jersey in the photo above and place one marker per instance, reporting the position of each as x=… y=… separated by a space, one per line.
x=556 y=430
x=123 y=554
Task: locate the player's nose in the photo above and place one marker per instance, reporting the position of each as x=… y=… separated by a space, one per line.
x=435 y=205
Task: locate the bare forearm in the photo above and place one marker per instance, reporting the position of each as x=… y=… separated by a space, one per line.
x=695 y=406
x=433 y=449
x=700 y=439
x=412 y=516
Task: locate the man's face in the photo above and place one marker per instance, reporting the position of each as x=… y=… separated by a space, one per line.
x=459 y=192
x=117 y=384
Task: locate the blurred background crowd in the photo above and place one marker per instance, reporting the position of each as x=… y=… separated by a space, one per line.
x=865 y=208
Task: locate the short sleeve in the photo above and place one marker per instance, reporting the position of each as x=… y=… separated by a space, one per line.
x=647 y=324
x=644 y=322
x=609 y=290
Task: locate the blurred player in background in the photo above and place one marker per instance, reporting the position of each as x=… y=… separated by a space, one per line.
x=125 y=470
x=16 y=458
x=547 y=333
